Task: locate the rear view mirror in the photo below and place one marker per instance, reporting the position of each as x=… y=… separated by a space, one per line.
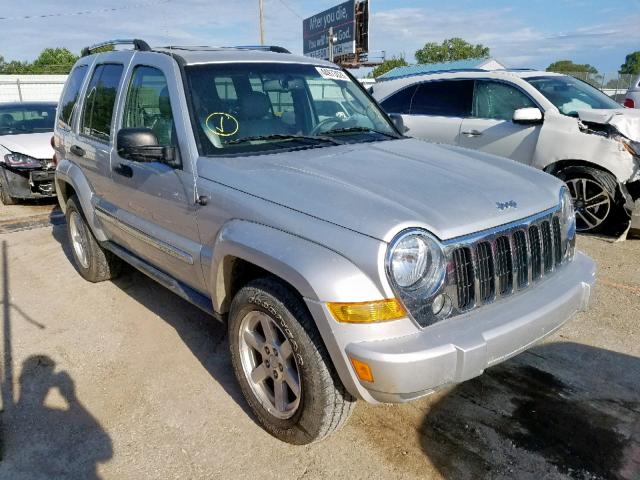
x=141 y=145
x=397 y=120
x=527 y=115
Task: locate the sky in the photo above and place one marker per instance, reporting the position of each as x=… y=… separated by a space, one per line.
x=530 y=33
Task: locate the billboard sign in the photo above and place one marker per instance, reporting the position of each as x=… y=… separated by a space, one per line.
x=315 y=31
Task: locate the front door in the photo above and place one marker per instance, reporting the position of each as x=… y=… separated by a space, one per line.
x=490 y=127
x=152 y=206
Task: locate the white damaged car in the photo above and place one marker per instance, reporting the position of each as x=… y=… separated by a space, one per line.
x=26 y=155
x=550 y=121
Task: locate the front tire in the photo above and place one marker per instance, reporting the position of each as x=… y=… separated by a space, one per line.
x=283 y=368
x=594 y=197
x=94 y=263
x=5 y=197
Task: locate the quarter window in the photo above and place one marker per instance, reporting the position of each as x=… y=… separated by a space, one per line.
x=70 y=96
x=100 y=101
x=148 y=104
x=400 y=102
x=448 y=98
x=498 y=100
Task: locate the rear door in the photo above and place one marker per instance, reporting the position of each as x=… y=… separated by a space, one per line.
x=490 y=127
x=437 y=110
x=91 y=147
x=152 y=204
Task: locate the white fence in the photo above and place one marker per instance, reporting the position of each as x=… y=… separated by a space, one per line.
x=25 y=88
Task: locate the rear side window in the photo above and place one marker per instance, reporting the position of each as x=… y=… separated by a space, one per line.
x=100 y=101
x=400 y=102
x=70 y=96
x=498 y=100
x=448 y=98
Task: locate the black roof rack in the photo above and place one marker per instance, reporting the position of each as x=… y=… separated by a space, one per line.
x=195 y=48
x=137 y=45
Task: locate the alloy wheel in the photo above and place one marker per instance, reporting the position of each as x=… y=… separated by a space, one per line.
x=78 y=239
x=269 y=365
x=592 y=203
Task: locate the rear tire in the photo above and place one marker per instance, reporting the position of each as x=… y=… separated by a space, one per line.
x=94 y=263
x=275 y=344
x=595 y=196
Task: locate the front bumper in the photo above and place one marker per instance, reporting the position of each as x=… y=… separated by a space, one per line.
x=25 y=184
x=460 y=348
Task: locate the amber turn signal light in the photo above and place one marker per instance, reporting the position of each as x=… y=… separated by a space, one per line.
x=368 y=312
x=362 y=370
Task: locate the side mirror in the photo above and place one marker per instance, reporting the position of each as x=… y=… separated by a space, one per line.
x=397 y=120
x=141 y=145
x=525 y=116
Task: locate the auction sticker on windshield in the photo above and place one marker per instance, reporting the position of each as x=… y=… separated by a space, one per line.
x=332 y=74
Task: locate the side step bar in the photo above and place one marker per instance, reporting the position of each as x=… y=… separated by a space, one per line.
x=183 y=291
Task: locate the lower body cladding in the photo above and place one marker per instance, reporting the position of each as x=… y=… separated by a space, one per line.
x=25 y=184
x=405 y=367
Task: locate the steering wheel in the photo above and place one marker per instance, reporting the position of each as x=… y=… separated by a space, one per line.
x=319 y=128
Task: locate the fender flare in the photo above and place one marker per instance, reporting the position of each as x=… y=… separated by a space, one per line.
x=69 y=173
x=316 y=272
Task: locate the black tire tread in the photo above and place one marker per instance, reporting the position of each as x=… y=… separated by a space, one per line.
x=103 y=265
x=339 y=403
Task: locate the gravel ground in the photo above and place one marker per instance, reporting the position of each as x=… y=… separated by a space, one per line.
x=124 y=380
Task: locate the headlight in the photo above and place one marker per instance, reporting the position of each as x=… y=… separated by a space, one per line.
x=21 y=160
x=415 y=260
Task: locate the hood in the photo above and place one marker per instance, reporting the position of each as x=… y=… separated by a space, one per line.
x=625 y=120
x=36 y=145
x=381 y=188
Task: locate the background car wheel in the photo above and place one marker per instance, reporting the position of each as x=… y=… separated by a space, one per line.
x=594 y=194
x=92 y=262
x=4 y=193
x=283 y=368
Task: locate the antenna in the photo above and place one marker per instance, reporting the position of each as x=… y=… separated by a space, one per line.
x=261 y=8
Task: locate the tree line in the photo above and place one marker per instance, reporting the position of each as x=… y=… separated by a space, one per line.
x=453 y=49
x=50 y=61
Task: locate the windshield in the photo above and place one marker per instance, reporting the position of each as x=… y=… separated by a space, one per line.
x=244 y=108
x=569 y=94
x=32 y=118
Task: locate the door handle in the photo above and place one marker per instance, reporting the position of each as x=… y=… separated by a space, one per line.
x=472 y=133
x=76 y=150
x=124 y=170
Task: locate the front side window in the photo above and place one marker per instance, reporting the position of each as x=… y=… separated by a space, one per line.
x=27 y=118
x=498 y=101
x=148 y=104
x=256 y=107
x=569 y=94
x=70 y=95
x=100 y=101
x=443 y=98
x=400 y=102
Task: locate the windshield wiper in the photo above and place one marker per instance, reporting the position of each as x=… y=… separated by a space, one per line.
x=359 y=130
x=280 y=136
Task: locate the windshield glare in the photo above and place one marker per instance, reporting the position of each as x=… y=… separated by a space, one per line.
x=254 y=107
x=16 y=119
x=569 y=94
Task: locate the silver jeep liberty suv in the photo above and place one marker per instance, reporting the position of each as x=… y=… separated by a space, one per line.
x=348 y=261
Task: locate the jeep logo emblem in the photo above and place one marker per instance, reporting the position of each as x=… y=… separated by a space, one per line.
x=506 y=205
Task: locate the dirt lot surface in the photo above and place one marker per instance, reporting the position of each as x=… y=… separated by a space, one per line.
x=124 y=380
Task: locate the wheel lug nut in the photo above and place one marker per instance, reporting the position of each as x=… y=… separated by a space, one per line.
x=266 y=362
x=275 y=352
x=280 y=367
x=275 y=374
x=266 y=349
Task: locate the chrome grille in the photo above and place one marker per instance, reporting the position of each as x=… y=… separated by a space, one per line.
x=520 y=258
x=557 y=241
x=536 y=254
x=483 y=268
x=464 y=277
x=547 y=246
x=486 y=276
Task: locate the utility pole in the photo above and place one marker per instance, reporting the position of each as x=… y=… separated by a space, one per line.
x=261 y=6
x=333 y=38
